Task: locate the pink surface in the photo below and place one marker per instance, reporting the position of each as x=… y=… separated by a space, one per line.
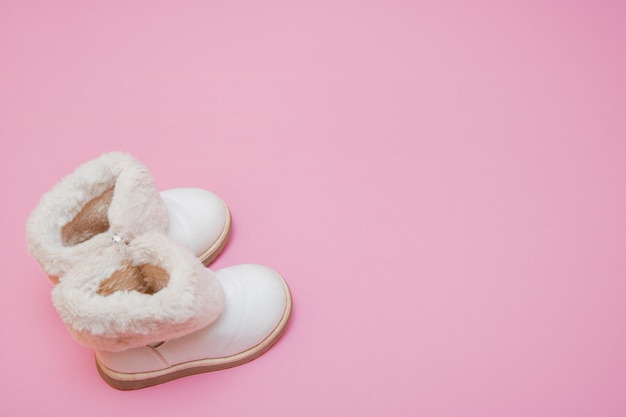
x=443 y=185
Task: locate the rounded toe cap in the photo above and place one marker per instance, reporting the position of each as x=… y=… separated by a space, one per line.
x=256 y=311
x=198 y=219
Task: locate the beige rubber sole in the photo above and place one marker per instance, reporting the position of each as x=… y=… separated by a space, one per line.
x=209 y=255
x=131 y=381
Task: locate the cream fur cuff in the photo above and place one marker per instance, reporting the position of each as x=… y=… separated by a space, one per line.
x=134 y=207
x=100 y=233
x=188 y=298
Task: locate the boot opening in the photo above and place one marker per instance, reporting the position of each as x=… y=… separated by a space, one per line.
x=90 y=221
x=146 y=278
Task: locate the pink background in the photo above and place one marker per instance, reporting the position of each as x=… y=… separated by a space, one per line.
x=443 y=185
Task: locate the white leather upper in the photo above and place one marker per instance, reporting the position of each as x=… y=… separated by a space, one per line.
x=197 y=217
x=256 y=300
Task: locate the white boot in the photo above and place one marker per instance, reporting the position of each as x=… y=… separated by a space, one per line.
x=127 y=295
x=115 y=195
x=133 y=294
x=111 y=196
x=257 y=308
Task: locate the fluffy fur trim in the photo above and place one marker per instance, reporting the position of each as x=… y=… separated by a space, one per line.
x=134 y=208
x=191 y=298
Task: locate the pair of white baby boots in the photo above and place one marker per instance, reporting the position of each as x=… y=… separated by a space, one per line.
x=128 y=264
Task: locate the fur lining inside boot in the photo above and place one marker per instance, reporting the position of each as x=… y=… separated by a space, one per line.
x=91 y=220
x=146 y=278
